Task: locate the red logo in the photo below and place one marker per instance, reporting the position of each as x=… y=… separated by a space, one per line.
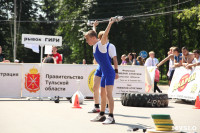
x=32 y=80
x=183 y=82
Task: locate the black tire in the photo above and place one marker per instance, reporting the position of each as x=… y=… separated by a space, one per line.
x=144 y=100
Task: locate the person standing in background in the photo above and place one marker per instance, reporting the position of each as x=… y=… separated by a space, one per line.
x=84 y=62
x=187 y=56
x=128 y=62
x=177 y=57
x=2 y=56
x=140 y=61
x=134 y=59
x=130 y=56
x=152 y=61
x=49 y=59
x=56 y=55
x=171 y=59
x=196 y=61
x=123 y=58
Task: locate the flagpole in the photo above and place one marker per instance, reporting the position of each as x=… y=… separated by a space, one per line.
x=41 y=56
x=15 y=45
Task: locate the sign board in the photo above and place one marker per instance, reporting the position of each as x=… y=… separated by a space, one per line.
x=31 y=80
x=10 y=80
x=185 y=84
x=41 y=40
x=143 y=54
x=131 y=80
x=38 y=80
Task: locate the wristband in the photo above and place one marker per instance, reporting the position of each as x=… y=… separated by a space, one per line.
x=116 y=70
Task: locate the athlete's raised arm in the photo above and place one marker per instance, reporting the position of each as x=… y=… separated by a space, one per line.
x=105 y=35
x=95 y=25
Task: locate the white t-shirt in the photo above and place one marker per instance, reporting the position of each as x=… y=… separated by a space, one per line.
x=171 y=64
x=103 y=49
x=151 y=62
x=196 y=60
x=171 y=67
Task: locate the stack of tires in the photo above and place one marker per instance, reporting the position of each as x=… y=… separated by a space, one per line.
x=144 y=99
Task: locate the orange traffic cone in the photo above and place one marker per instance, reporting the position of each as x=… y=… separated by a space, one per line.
x=76 y=102
x=197 y=103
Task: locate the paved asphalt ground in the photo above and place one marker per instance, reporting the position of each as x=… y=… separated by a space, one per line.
x=48 y=117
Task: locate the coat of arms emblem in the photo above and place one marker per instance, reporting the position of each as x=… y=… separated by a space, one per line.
x=32 y=80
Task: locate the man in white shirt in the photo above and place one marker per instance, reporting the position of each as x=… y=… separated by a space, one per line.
x=152 y=61
x=196 y=61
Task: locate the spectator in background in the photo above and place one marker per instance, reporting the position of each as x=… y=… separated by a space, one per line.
x=196 y=61
x=152 y=61
x=56 y=55
x=134 y=59
x=177 y=57
x=130 y=56
x=49 y=59
x=187 y=57
x=123 y=58
x=16 y=61
x=128 y=61
x=84 y=61
x=170 y=57
x=140 y=61
x=2 y=56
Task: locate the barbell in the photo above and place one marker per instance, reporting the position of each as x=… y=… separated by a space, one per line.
x=116 y=19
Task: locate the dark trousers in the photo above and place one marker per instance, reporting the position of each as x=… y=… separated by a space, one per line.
x=156 y=87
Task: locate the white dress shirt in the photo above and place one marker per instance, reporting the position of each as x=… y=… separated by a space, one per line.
x=151 y=62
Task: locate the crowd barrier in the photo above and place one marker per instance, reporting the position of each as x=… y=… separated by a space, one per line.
x=185 y=84
x=49 y=80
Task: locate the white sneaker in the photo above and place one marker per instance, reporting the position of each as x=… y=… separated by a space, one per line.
x=99 y=118
x=106 y=111
x=109 y=120
x=95 y=110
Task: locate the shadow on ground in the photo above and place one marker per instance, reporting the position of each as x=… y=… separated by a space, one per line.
x=141 y=117
x=134 y=127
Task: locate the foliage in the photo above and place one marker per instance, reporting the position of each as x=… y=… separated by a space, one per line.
x=191 y=14
x=68 y=18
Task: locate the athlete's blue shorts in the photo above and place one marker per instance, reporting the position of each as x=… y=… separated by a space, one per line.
x=98 y=72
x=107 y=80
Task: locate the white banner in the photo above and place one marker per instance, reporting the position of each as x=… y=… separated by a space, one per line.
x=149 y=78
x=61 y=80
x=41 y=39
x=185 y=84
x=10 y=80
x=31 y=80
x=51 y=80
x=131 y=79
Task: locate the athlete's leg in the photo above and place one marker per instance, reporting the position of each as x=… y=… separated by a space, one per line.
x=97 y=81
x=103 y=99
x=109 y=89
